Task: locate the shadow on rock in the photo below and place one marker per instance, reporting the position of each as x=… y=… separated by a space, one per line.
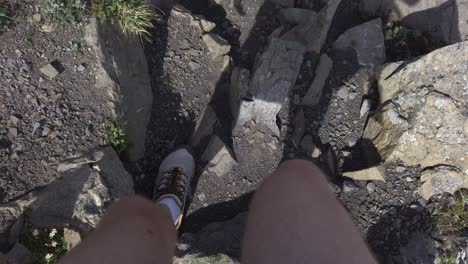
x=403 y=235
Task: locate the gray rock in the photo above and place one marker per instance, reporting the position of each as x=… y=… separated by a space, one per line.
x=313 y=32
x=205 y=25
x=238 y=90
x=13 y=131
x=299 y=127
x=443 y=20
x=91 y=156
x=204 y=127
x=71 y=238
x=441 y=179
x=367 y=40
x=122 y=71
x=45 y=131
x=447 y=64
x=219 y=157
x=314 y=93
x=19 y=254
x=216 y=45
x=37 y=17
x=365 y=107
x=423 y=122
x=349 y=186
x=370 y=187
x=81 y=196
x=296 y=16
x=370 y=174
x=81 y=68
x=200 y=258
x=49 y=70
x=284 y=3
x=275 y=74
x=14 y=120
x=308 y=146
x=342 y=93
x=10 y=219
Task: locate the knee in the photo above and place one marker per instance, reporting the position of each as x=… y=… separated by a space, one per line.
x=300 y=172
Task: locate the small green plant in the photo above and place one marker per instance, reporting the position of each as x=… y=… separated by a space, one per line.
x=455 y=217
x=398 y=33
x=65 y=11
x=4 y=18
x=132 y=16
x=448 y=259
x=46 y=245
x=115 y=134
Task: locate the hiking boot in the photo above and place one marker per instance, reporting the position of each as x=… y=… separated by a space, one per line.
x=174 y=177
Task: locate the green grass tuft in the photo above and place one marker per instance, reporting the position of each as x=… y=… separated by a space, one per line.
x=132 y=16
x=455 y=217
x=4 y=18
x=64 y=11
x=115 y=134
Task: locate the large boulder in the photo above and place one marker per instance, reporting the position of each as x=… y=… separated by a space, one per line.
x=274 y=75
x=82 y=195
x=123 y=72
x=90 y=183
x=443 y=20
x=424 y=119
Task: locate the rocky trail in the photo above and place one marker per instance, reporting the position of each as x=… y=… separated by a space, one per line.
x=373 y=92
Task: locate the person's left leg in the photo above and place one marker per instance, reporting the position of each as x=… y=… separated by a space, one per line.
x=134 y=230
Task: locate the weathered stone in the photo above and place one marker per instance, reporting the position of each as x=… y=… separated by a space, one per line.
x=314 y=93
x=123 y=72
x=37 y=17
x=238 y=91
x=81 y=196
x=91 y=156
x=216 y=45
x=204 y=127
x=443 y=20
x=370 y=174
x=299 y=127
x=200 y=258
x=367 y=40
x=443 y=70
x=49 y=70
x=441 y=180
x=219 y=157
x=313 y=32
x=19 y=254
x=284 y=3
x=71 y=238
x=275 y=74
x=296 y=15
x=365 y=107
x=423 y=122
x=205 y=25
x=308 y=146
x=10 y=219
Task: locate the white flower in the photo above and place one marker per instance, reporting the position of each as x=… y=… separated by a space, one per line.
x=53 y=244
x=48 y=256
x=52 y=233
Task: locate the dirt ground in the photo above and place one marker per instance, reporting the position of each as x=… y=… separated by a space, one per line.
x=43 y=120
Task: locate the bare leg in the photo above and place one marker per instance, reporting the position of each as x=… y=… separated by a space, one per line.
x=294 y=218
x=135 y=230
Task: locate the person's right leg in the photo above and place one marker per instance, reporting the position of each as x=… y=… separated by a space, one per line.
x=295 y=218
